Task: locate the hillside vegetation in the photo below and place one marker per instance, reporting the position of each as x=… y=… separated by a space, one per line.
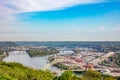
x=16 y=71
x=89 y=75
x=42 y=51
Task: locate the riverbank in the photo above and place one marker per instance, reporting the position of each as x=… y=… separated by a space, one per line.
x=37 y=62
x=3 y=55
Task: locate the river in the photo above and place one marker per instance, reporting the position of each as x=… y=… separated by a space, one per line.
x=33 y=62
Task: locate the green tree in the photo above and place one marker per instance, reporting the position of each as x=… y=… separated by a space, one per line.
x=67 y=75
x=92 y=73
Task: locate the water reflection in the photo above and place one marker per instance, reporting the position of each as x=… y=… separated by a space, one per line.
x=25 y=59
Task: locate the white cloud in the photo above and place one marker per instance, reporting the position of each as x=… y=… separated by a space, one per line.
x=6 y=14
x=102 y=29
x=116 y=29
x=10 y=7
x=8 y=29
x=12 y=28
x=95 y=29
x=39 y=5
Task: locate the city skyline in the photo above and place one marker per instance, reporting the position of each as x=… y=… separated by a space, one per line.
x=52 y=20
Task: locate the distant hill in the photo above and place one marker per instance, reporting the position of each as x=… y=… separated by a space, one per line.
x=7 y=44
x=105 y=46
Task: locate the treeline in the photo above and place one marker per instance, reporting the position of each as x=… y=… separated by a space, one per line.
x=16 y=71
x=7 y=44
x=42 y=51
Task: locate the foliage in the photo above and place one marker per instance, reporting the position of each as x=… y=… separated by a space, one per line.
x=16 y=71
x=42 y=51
x=94 y=75
x=89 y=75
x=67 y=75
x=1 y=52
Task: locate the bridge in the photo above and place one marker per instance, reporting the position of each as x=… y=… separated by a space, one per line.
x=16 y=49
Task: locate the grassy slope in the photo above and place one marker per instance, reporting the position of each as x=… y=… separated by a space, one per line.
x=16 y=71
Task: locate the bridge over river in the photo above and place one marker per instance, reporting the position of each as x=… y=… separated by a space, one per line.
x=16 y=49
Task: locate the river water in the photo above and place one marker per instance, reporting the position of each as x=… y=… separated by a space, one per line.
x=33 y=62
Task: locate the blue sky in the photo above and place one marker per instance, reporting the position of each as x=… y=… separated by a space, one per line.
x=53 y=20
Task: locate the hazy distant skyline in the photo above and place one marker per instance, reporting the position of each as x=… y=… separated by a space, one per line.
x=60 y=20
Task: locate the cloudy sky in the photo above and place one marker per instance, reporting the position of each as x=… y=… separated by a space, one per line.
x=59 y=20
